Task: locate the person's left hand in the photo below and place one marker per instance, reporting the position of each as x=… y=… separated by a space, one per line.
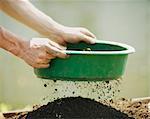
x=73 y=35
x=38 y=52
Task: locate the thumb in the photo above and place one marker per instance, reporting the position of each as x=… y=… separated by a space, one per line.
x=55 y=51
x=54 y=44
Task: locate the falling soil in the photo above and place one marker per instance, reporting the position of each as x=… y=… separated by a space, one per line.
x=45 y=85
x=98 y=90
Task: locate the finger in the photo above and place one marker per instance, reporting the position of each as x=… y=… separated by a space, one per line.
x=54 y=44
x=45 y=55
x=55 y=51
x=43 y=61
x=49 y=56
x=88 y=33
x=87 y=39
x=43 y=65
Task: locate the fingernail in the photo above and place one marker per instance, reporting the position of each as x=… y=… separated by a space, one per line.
x=63 y=47
x=93 y=41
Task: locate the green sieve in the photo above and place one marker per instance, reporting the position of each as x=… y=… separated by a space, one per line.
x=102 y=61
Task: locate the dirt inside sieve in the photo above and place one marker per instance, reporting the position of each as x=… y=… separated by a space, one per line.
x=76 y=108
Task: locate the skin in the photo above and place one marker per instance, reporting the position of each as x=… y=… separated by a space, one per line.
x=36 y=52
x=1 y=116
x=39 y=52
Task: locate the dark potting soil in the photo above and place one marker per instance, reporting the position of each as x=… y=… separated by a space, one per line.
x=76 y=108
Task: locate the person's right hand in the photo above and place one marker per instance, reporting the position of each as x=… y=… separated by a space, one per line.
x=64 y=35
x=38 y=52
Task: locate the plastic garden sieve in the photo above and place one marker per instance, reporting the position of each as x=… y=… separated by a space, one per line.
x=104 y=60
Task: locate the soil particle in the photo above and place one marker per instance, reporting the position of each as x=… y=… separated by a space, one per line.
x=76 y=107
x=45 y=85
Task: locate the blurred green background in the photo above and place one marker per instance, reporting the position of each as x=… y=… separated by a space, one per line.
x=126 y=21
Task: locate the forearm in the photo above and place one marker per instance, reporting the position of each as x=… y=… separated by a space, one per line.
x=26 y=13
x=36 y=52
x=10 y=42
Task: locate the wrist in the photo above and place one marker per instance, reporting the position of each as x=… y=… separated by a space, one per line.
x=54 y=29
x=56 y=33
x=11 y=42
x=16 y=47
x=22 y=46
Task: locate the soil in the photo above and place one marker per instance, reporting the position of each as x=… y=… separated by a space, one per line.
x=75 y=107
x=65 y=102
x=139 y=109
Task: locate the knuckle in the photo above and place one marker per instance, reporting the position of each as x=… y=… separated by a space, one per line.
x=37 y=60
x=42 y=55
x=34 y=65
x=49 y=56
x=47 y=47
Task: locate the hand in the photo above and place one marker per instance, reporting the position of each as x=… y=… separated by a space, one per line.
x=73 y=35
x=38 y=52
x=45 y=25
x=1 y=116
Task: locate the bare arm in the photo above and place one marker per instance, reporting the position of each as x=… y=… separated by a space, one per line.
x=26 y=13
x=35 y=52
x=29 y=15
x=10 y=42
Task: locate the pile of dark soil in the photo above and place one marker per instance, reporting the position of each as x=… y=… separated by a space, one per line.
x=76 y=107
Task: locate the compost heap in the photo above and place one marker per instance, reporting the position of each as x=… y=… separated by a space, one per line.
x=76 y=107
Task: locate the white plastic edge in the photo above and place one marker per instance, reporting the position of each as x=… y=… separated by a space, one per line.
x=128 y=50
